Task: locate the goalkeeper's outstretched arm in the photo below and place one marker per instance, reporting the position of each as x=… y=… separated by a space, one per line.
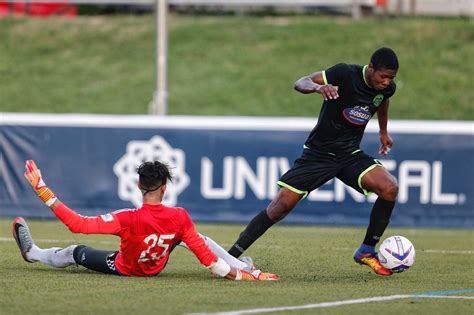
x=75 y=222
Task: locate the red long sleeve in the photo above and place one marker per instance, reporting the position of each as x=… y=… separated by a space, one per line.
x=196 y=244
x=103 y=224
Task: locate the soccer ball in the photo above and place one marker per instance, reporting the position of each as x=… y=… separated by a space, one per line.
x=396 y=253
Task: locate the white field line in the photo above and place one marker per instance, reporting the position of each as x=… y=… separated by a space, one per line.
x=434 y=251
x=332 y=304
x=39 y=241
x=8 y=239
x=310 y=306
x=430 y=251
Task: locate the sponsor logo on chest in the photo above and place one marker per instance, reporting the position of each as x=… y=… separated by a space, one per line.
x=357 y=115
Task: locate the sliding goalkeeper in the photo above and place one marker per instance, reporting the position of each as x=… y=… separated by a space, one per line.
x=148 y=234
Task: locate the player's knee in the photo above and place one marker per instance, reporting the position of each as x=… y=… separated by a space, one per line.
x=282 y=205
x=389 y=191
x=277 y=211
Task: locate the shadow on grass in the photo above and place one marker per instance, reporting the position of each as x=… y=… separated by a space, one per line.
x=28 y=269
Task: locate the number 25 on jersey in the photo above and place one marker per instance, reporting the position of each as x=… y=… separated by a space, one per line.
x=154 y=244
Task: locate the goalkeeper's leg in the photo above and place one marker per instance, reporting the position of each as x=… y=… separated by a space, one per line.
x=222 y=253
x=93 y=259
x=97 y=260
x=54 y=257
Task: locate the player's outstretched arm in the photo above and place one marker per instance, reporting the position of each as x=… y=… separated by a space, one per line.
x=314 y=83
x=76 y=223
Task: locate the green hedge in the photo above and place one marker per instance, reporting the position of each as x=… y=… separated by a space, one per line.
x=227 y=65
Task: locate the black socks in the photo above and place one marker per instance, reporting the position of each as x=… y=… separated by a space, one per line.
x=252 y=232
x=379 y=219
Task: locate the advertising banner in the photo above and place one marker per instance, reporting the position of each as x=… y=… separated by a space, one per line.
x=225 y=169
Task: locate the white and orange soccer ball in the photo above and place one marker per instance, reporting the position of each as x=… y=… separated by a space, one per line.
x=396 y=253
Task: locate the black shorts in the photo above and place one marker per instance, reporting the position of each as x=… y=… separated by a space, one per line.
x=101 y=260
x=314 y=168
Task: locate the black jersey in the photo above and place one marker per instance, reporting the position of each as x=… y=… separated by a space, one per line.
x=342 y=121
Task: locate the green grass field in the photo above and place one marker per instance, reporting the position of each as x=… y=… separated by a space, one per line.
x=227 y=65
x=314 y=263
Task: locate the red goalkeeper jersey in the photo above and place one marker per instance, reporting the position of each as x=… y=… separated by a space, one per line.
x=147 y=235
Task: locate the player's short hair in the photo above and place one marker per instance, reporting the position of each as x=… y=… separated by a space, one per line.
x=384 y=58
x=152 y=175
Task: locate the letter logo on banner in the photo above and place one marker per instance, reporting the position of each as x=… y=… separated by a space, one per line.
x=155 y=149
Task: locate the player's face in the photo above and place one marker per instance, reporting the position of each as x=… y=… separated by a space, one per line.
x=379 y=79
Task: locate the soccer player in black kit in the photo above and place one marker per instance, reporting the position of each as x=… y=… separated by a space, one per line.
x=352 y=95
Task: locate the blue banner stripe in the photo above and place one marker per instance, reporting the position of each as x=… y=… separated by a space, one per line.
x=446 y=292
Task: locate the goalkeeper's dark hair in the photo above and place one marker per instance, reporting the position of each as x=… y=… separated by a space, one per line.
x=384 y=58
x=152 y=175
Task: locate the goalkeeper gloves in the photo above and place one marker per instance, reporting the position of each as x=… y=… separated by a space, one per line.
x=256 y=275
x=221 y=268
x=33 y=175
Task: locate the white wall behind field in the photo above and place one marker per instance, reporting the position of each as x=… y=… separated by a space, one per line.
x=416 y=7
x=224 y=123
x=433 y=7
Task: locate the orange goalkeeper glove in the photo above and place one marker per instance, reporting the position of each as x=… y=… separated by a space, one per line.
x=256 y=275
x=33 y=175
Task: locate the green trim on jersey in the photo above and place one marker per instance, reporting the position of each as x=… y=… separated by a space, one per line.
x=359 y=180
x=293 y=189
x=324 y=77
x=354 y=152
x=363 y=75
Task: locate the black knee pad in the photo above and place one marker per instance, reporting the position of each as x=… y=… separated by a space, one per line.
x=78 y=254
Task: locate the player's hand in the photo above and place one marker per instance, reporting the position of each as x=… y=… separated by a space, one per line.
x=328 y=91
x=258 y=275
x=386 y=144
x=33 y=175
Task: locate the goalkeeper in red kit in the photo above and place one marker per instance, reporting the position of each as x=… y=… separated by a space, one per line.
x=147 y=235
